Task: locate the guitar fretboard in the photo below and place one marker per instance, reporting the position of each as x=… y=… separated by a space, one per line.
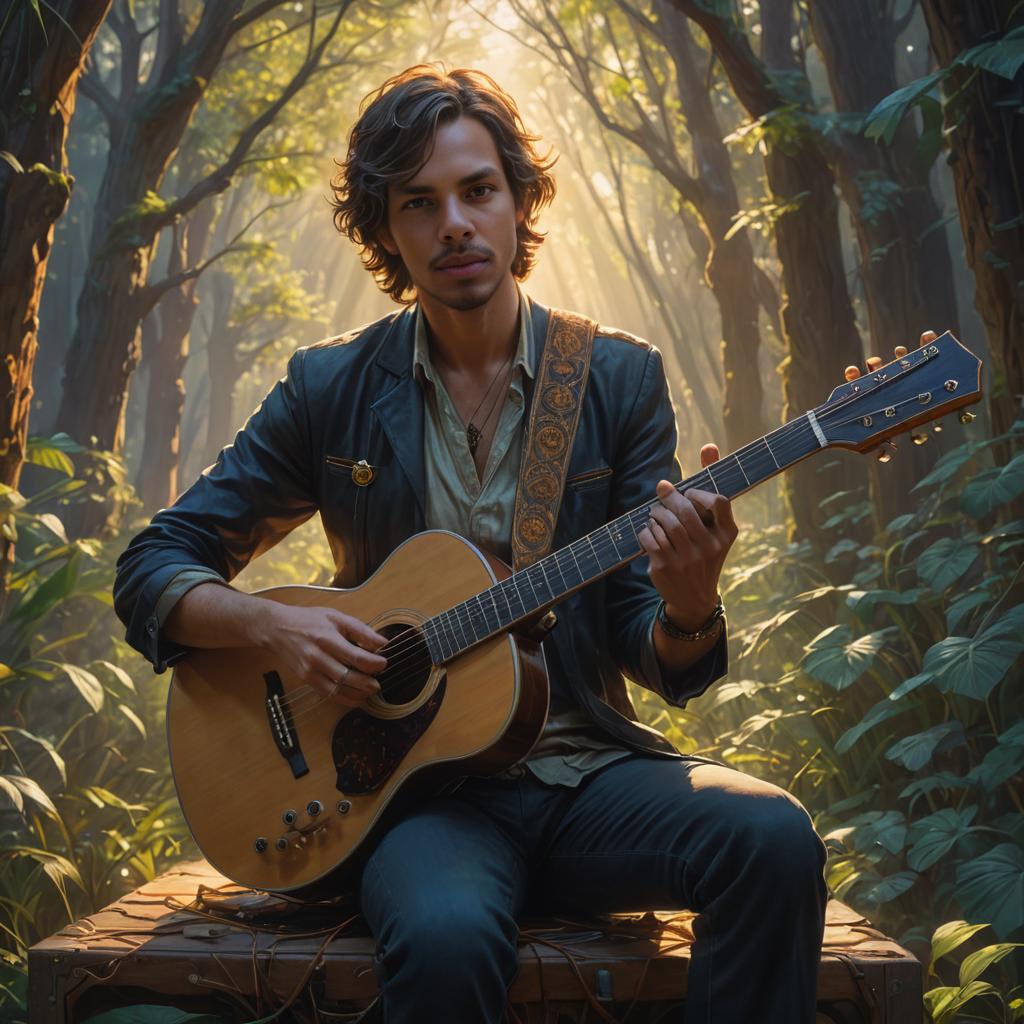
x=530 y=591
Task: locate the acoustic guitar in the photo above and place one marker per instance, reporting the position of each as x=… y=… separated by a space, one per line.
x=285 y=790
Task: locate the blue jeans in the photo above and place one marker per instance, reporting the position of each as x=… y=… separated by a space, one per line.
x=444 y=887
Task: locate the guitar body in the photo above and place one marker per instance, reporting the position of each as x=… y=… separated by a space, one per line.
x=284 y=790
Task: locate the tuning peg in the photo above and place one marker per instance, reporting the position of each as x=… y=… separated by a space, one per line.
x=919 y=438
x=967 y=416
x=936 y=427
x=884 y=454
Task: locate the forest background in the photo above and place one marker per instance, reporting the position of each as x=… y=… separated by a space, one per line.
x=769 y=191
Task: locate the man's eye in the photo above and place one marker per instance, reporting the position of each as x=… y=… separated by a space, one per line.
x=410 y=205
x=479 y=194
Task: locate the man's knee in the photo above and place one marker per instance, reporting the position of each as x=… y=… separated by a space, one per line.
x=440 y=944
x=781 y=841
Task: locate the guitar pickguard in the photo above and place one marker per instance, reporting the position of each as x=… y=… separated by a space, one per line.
x=368 y=749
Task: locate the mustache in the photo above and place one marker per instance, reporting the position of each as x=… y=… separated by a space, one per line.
x=474 y=250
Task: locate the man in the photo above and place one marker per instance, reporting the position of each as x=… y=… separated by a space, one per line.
x=442 y=188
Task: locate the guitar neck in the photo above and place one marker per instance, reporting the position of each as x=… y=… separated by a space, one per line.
x=530 y=591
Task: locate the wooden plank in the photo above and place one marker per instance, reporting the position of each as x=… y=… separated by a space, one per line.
x=154 y=939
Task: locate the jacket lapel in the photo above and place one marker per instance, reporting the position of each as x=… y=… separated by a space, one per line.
x=399 y=407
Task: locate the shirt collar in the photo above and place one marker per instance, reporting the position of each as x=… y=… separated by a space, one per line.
x=524 y=350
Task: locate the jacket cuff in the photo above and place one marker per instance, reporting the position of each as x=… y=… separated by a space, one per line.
x=680 y=686
x=162 y=592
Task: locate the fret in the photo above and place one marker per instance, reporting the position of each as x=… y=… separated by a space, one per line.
x=538 y=570
x=742 y=470
x=707 y=469
x=450 y=615
x=547 y=582
x=611 y=537
x=558 y=566
x=478 y=618
x=576 y=562
x=447 y=647
x=764 y=441
x=433 y=647
x=536 y=598
x=593 y=550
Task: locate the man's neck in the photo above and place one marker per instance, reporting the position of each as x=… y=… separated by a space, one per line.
x=471 y=342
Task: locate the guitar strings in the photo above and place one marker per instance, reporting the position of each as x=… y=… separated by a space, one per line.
x=785 y=445
x=400 y=655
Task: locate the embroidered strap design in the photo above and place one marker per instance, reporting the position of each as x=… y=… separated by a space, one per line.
x=554 y=416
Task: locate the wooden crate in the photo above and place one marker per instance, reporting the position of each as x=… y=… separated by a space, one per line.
x=157 y=945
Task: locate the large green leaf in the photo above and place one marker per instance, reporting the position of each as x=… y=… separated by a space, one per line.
x=991 y=888
x=933 y=837
x=883 y=121
x=914 y=752
x=945 y=562
x=949 y=936
x=987 y=491
x=979 y=961
x=946 y=466
x=151 y=1013
x=889 y=888
x=864 y=602
x=1003 y=57
x=836 y=658
x=30 y=788
x=944 y=781
x=971 y=666
x=879 y=713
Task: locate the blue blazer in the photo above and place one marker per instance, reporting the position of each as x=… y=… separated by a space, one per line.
x=355 y=397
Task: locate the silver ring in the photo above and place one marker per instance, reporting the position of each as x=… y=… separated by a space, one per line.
x=345 y=672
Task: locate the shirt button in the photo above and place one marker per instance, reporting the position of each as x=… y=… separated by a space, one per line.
x=151 y=625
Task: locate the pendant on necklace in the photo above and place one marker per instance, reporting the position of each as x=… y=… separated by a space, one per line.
x=473 y=437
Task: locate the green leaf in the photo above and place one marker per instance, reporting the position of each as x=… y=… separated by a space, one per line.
x=933 y=837
x=959 y=608
x=946 y=467
x=86 y=683
x=833 y=657
x=991 y=489
x=929 y=142
x=914 y=752
x=969 y=666
x=1004 y=57
x=991 y=888
x=945 y=562
x=864 y=602
x=149 y=1013
x=119 y=674
x=949 y=936
x=50 y=592
x=883 y=121
x=908 y=685
x=879 y=713
x=133 y=718
x=979 y=961
x=30 y=788
x=889 y=888
x=104 y=798
x=946 y=781
x=944 y=1002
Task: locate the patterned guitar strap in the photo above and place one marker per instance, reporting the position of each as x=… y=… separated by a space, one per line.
x=554 y=417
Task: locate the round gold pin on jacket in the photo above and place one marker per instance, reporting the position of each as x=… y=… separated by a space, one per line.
x=363 y=473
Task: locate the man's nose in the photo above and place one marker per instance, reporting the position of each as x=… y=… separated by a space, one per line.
x=455 y=224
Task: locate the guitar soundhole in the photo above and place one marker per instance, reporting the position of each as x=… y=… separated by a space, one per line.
x=408 y=666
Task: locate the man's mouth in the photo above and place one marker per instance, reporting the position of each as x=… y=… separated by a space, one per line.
x=463 y=268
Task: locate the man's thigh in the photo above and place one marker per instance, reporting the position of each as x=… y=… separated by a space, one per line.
x=647 y=833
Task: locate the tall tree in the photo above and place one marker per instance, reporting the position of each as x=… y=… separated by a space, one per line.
x=982 y=67
x=818 y=322
x=146 y=121
x=42 y=52
x=639 y=71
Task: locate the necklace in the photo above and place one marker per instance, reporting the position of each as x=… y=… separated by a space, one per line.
x=473 y=432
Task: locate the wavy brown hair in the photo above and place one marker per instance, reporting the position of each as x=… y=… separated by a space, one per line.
x=392 y=139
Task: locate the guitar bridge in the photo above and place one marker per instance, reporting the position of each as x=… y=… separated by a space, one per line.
x=282 y=729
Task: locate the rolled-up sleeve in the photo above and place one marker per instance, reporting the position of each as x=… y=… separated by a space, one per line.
x=646 y=456
x=259 y=489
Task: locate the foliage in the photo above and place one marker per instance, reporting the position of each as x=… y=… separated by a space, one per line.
x=886 y=696
x=87 y=807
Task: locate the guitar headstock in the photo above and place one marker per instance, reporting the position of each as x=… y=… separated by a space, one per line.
x=923 y=385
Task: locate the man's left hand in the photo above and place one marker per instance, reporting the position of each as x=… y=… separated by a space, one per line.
x=687 y=540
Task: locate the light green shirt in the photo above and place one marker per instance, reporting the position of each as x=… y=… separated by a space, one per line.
x=571 y=745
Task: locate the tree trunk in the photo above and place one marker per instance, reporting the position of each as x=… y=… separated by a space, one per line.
x=908 y=283
x=987 y=156
x=818 y=323
x=730 y=269
x=222 y=364
x=38 y=100
x=161 y=455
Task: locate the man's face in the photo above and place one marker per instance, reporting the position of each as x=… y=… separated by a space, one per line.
x=454 y=222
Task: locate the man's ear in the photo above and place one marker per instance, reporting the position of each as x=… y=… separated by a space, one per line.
x=385 y=238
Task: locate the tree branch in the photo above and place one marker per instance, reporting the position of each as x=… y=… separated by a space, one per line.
x=220 y=177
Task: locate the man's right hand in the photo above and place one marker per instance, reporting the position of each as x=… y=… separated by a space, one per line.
x=325 y=649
